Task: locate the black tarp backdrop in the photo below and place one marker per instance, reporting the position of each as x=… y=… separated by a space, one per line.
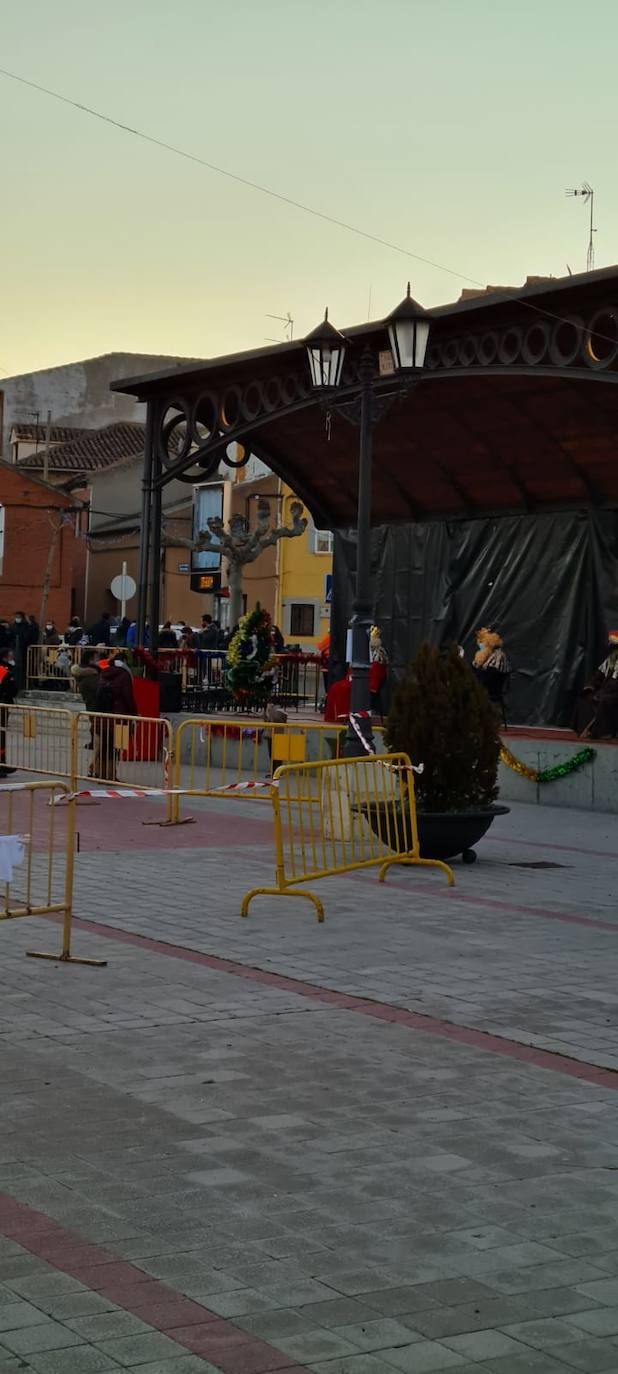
x=547 y=583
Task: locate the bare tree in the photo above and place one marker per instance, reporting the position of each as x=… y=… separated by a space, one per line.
x=239 y=544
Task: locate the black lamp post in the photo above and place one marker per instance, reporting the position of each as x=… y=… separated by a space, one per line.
x=408 y=330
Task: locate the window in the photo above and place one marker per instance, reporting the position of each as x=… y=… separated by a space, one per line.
x=322 y=541
x=207 y=502
x=1 y=538
x=301 y=620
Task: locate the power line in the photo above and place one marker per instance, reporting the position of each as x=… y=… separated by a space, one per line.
x=275 y=195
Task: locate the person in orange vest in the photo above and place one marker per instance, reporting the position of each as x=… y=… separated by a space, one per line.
x=8 y=692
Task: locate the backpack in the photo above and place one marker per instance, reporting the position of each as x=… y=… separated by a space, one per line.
x=104 y=696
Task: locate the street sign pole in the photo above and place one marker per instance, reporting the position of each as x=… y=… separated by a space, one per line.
x=123 y=603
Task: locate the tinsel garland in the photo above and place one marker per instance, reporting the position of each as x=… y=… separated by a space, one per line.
x=560 y=770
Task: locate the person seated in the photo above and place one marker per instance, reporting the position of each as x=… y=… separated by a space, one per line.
x=596 y=712
x=490 y=664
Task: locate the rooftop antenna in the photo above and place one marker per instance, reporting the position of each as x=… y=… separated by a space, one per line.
x=289 y=326
x=587 y=192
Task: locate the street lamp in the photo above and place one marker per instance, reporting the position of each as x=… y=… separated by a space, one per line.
x=408 y=331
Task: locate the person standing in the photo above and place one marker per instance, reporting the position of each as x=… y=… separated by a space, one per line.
x=168 y=638
x=101 y=631
x=20 y=638
x=122 y=632
x=114 y=697
x=209 y=634
x=8 y=692
x=50 y=633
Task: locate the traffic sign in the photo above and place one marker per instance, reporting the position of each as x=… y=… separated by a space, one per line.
x=328 y=588
x=123 y=587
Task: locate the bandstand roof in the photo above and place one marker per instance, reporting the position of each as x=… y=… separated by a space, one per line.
x=517 y=411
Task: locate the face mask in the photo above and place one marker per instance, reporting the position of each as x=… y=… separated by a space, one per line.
x=49 y=627
x=18 y=620
x=479 y=644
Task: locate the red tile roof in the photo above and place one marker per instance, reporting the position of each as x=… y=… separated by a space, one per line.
x=92 y=449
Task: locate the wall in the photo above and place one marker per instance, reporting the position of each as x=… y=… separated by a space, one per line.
x=28 y=514
x=302 y=580
x=76 y=393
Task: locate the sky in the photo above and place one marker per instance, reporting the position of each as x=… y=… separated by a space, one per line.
x=449 y=128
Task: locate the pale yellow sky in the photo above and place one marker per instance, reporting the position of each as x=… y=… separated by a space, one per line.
x=450 y=127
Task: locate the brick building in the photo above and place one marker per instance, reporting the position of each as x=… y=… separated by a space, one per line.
x=30 y=511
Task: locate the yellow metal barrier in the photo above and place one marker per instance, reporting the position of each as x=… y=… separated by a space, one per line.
x=49 y=666
x=212 y=754
x=340 y=816
x=134 y=750
x=40 y=881
x=38 y=739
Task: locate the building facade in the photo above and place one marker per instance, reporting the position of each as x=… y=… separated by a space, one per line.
x=35 y=520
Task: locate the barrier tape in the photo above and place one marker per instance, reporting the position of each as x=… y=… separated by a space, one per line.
x=364 y=715
x=117 y=793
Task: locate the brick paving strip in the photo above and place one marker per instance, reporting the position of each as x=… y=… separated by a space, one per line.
x=379 y=1011
x=182 y=1320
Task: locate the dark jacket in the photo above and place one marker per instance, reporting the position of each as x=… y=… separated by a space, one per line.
x=121 y=684
x=87 y=680
x=8 y=684
x=208 y=637
x=100 y=632
x=168 y=639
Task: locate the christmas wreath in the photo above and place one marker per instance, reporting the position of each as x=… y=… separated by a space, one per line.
x=251 y=664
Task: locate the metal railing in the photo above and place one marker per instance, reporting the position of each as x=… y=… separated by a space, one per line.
x=49 y=666
x=37 y=846
x=38 y=739
x=222 y=757
x=336 y=817
x=202 y=672
x=134 y=750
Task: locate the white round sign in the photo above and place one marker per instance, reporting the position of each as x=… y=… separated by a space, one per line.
x=123 y=588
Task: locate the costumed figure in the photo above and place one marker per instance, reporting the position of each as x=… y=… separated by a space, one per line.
x=490 y=664
x=596 y=712
x=378 y=667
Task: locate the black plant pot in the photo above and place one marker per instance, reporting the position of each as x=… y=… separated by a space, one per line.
x=442 y=834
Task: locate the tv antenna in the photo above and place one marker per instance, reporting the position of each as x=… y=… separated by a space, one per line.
x=288 y=322
x=588 y=194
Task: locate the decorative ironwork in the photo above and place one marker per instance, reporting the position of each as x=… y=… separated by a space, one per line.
x=571 y=343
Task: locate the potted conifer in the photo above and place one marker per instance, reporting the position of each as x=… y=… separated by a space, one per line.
x=443 y=718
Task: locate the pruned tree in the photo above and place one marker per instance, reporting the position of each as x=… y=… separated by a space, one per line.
x=239 y=544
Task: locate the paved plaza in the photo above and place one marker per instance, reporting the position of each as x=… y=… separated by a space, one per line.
x=388 y=1143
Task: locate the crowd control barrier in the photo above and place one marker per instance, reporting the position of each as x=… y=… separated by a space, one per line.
x=38 y=739
x=338 y=816
x=37 y=859
x=213 y=757
x=133 y=750
x=48 y=666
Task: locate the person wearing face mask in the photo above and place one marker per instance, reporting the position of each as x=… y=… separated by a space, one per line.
x=50 y=633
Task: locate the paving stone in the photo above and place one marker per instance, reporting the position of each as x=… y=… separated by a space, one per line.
x=589 y=1355
x=15 y=1314
x=44 y=1336
x=547 y=1333
x=422 y=1358
x=484 y=1345
x=79 y=1359
x=136 y=1350
x=315 y=1345
x=601 y=1321
x=101 y=1326
x=380 y=1334
x=356 y=1364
